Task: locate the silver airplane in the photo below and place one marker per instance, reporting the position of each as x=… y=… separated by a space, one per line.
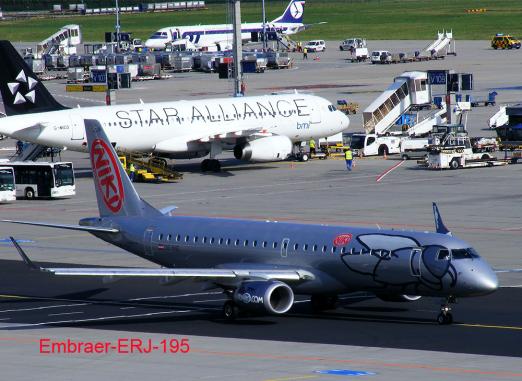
x=261 y=265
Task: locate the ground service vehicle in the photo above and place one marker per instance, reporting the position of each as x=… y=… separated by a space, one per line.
x=457 y=152
x=414 y=148
x=44 y=179
x=352 y=43
x=371 y=144
x=504 y=41
x=7 y=184
x=381 y=56
x=315 y=46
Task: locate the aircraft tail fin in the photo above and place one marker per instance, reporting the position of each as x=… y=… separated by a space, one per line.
x=21 y=90
x=114 y=191
x=439 y=225
x=293 y=13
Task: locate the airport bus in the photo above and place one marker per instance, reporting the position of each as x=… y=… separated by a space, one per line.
x=7 y=184
x=44 y=179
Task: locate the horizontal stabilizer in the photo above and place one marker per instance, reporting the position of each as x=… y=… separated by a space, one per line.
x=93 y=229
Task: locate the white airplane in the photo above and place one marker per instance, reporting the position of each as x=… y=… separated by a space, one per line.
x=259 y=128
x=220 y=36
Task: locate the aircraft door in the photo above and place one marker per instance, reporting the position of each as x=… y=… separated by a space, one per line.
x=315 y=115
x=147 y=241
x=284 y=247
x=77 y=128
x=416 y=261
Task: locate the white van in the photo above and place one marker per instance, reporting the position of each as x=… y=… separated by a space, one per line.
x=381 y=56
x=315 y=46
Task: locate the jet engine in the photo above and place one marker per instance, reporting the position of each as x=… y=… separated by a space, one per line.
x=264 y=296
x=271 y=148
x=399 y=298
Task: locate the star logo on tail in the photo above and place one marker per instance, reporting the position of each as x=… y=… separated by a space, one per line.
x=14 y=87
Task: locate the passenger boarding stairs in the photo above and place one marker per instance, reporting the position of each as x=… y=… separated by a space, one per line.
x=407 y=91
x=441 y=45
x=499 y=119
x=425 y=125
x=63 y=41
x=31 y=152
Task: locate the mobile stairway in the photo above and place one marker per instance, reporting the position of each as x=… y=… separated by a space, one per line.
x=64 y=41
x=442 y=45
x=408 y=91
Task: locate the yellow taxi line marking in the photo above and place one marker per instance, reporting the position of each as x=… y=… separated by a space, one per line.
x=490 y=326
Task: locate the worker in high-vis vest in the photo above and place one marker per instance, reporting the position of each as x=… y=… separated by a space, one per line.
x=132 y=172
x=312 y=146
x=348 y=156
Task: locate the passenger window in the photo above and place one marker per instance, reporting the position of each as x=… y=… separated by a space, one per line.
x=169 y=237
x=264 y=244
x=195 y=239
x=334 y=249
x=160 y=237
x=254 y=244
x=314 y=248
x=212 y=240
x=285 y=245
x=305 y=247
x=187 y=238
x=296 y=246
x=178 y=238
x=324 y=249
x=204 y=240
x=228 y=241
x=221 y=241
x=237 y=242
x=245 y=243
x=274 y=245
x=443 y=255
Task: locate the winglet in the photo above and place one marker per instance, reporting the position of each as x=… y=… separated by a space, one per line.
x=439 y=225
x=24 y=256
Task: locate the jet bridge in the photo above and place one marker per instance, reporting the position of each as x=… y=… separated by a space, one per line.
x=408 y=90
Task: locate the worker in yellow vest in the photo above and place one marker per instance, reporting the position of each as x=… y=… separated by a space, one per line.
x=132 y=172
x=312 y=147
x=348 y=156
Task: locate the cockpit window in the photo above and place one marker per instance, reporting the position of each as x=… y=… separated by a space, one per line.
x=331 y=108
x=443 y=255
x=464 y=253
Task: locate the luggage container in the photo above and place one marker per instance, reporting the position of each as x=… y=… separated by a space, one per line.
x=75 y=74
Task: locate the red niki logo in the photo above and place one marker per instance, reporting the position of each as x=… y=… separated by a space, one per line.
x=107 y=174
x=342 y=240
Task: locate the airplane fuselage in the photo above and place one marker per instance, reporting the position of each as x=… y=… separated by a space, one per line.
x=217 y=34
x=183 y=127
x=342 y=258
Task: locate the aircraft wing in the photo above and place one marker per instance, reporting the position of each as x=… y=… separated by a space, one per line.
x=94 y=229
x=241 y=272
x=256 y=132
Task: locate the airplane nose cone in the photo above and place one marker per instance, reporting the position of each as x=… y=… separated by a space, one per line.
x=345 y=121
x=480 y=279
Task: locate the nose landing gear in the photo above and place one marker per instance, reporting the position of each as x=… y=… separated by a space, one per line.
x=446 y=317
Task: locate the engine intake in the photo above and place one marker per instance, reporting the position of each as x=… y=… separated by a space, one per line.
x=264 y=296
x=271 y=148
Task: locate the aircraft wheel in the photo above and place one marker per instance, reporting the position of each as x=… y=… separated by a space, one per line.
x=445 y=319
x=230 y=311
x=304 y=157
x=29 y=193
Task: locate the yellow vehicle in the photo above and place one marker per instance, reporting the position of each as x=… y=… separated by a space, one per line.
x=141 y=175
x=505 y=41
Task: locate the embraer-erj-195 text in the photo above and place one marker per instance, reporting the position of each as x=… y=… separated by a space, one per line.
x=257 y=128
x=260 y=265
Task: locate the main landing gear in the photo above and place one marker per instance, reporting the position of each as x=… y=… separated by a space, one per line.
x=212 y=165
x=230 y=310
x=445 y=317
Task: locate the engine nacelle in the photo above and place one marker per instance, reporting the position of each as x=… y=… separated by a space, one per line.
x=264 y=296
x=271 y=148
x=399 y=298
